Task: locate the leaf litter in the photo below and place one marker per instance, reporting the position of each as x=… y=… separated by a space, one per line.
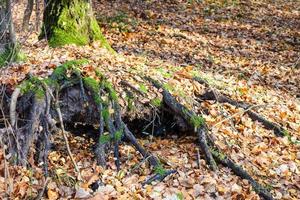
x=247 y=50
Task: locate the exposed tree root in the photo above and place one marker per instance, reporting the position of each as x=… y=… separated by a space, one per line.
x=206 y=143
x=238 y=170
x=94 y=101
x=37 y=120
x=195 y=122
x=159 y=176
x=221 y=98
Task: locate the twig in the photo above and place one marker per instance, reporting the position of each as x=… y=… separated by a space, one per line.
x=6 y=171
x=140 y=164
x=125 y=83
x=66 y=138
x=198 y=158
x=236 y=114
x=159 y=177
x=41 y=193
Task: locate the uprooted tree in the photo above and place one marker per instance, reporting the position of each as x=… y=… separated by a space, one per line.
x=39 y=108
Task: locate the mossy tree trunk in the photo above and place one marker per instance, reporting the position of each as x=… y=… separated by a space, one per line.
x=9 y=50
x=71 y=22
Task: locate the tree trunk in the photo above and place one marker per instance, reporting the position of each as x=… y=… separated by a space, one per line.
x=9 y=50
x=70 y=22
x=27 y=14
x=37 y=14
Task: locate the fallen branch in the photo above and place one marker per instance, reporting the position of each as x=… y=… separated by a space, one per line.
x=238 y=170
x=207 y=144
x=125 y=83
x=221 y=98
x=236 y=114
x=42 y=191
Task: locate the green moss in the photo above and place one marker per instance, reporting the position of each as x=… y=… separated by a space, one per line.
x=164 y=73
x=34 y=85
x=143 y=88
x=40 y=93
x=112 y=93
x=67 y=30
x=130 y=102
x=94 y=86
x=105 y=114
x=118 y=135
x=75 y=63
x=159 y=170
x=168 y=87
x=107 y=137
x=59 y=73
x=218 y=154
x=98 y=36
x=75 y=25
x=104 y=139
x=50 y=82
x=99 y=74
x=61 y=38
x=91 y=84
x=179 y=196
x=26 y=86
x=156 y=102
x=197 y=121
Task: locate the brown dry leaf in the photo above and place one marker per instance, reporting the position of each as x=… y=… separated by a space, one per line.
x=52 y=194
x=99 y=196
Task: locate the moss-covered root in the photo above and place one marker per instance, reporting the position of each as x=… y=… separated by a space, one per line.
x=159 y=176
x=238 y=170
x=113 y=121
x=71 y=22
x=193 y=120
x=202 y=133
x=100 y=147
x=222 y=98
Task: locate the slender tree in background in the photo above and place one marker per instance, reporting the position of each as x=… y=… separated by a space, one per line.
x=28 y=12
x=70 y=22
x=9 y=49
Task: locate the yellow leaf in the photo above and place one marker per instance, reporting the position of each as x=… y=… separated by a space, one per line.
x=52 y=195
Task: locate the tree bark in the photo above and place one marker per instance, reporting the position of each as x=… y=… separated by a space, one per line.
x=27 y=14
x=8 y=43
x=70 y=22
x=37 y=14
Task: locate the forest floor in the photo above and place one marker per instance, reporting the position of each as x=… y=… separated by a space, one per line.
x=248 y=50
